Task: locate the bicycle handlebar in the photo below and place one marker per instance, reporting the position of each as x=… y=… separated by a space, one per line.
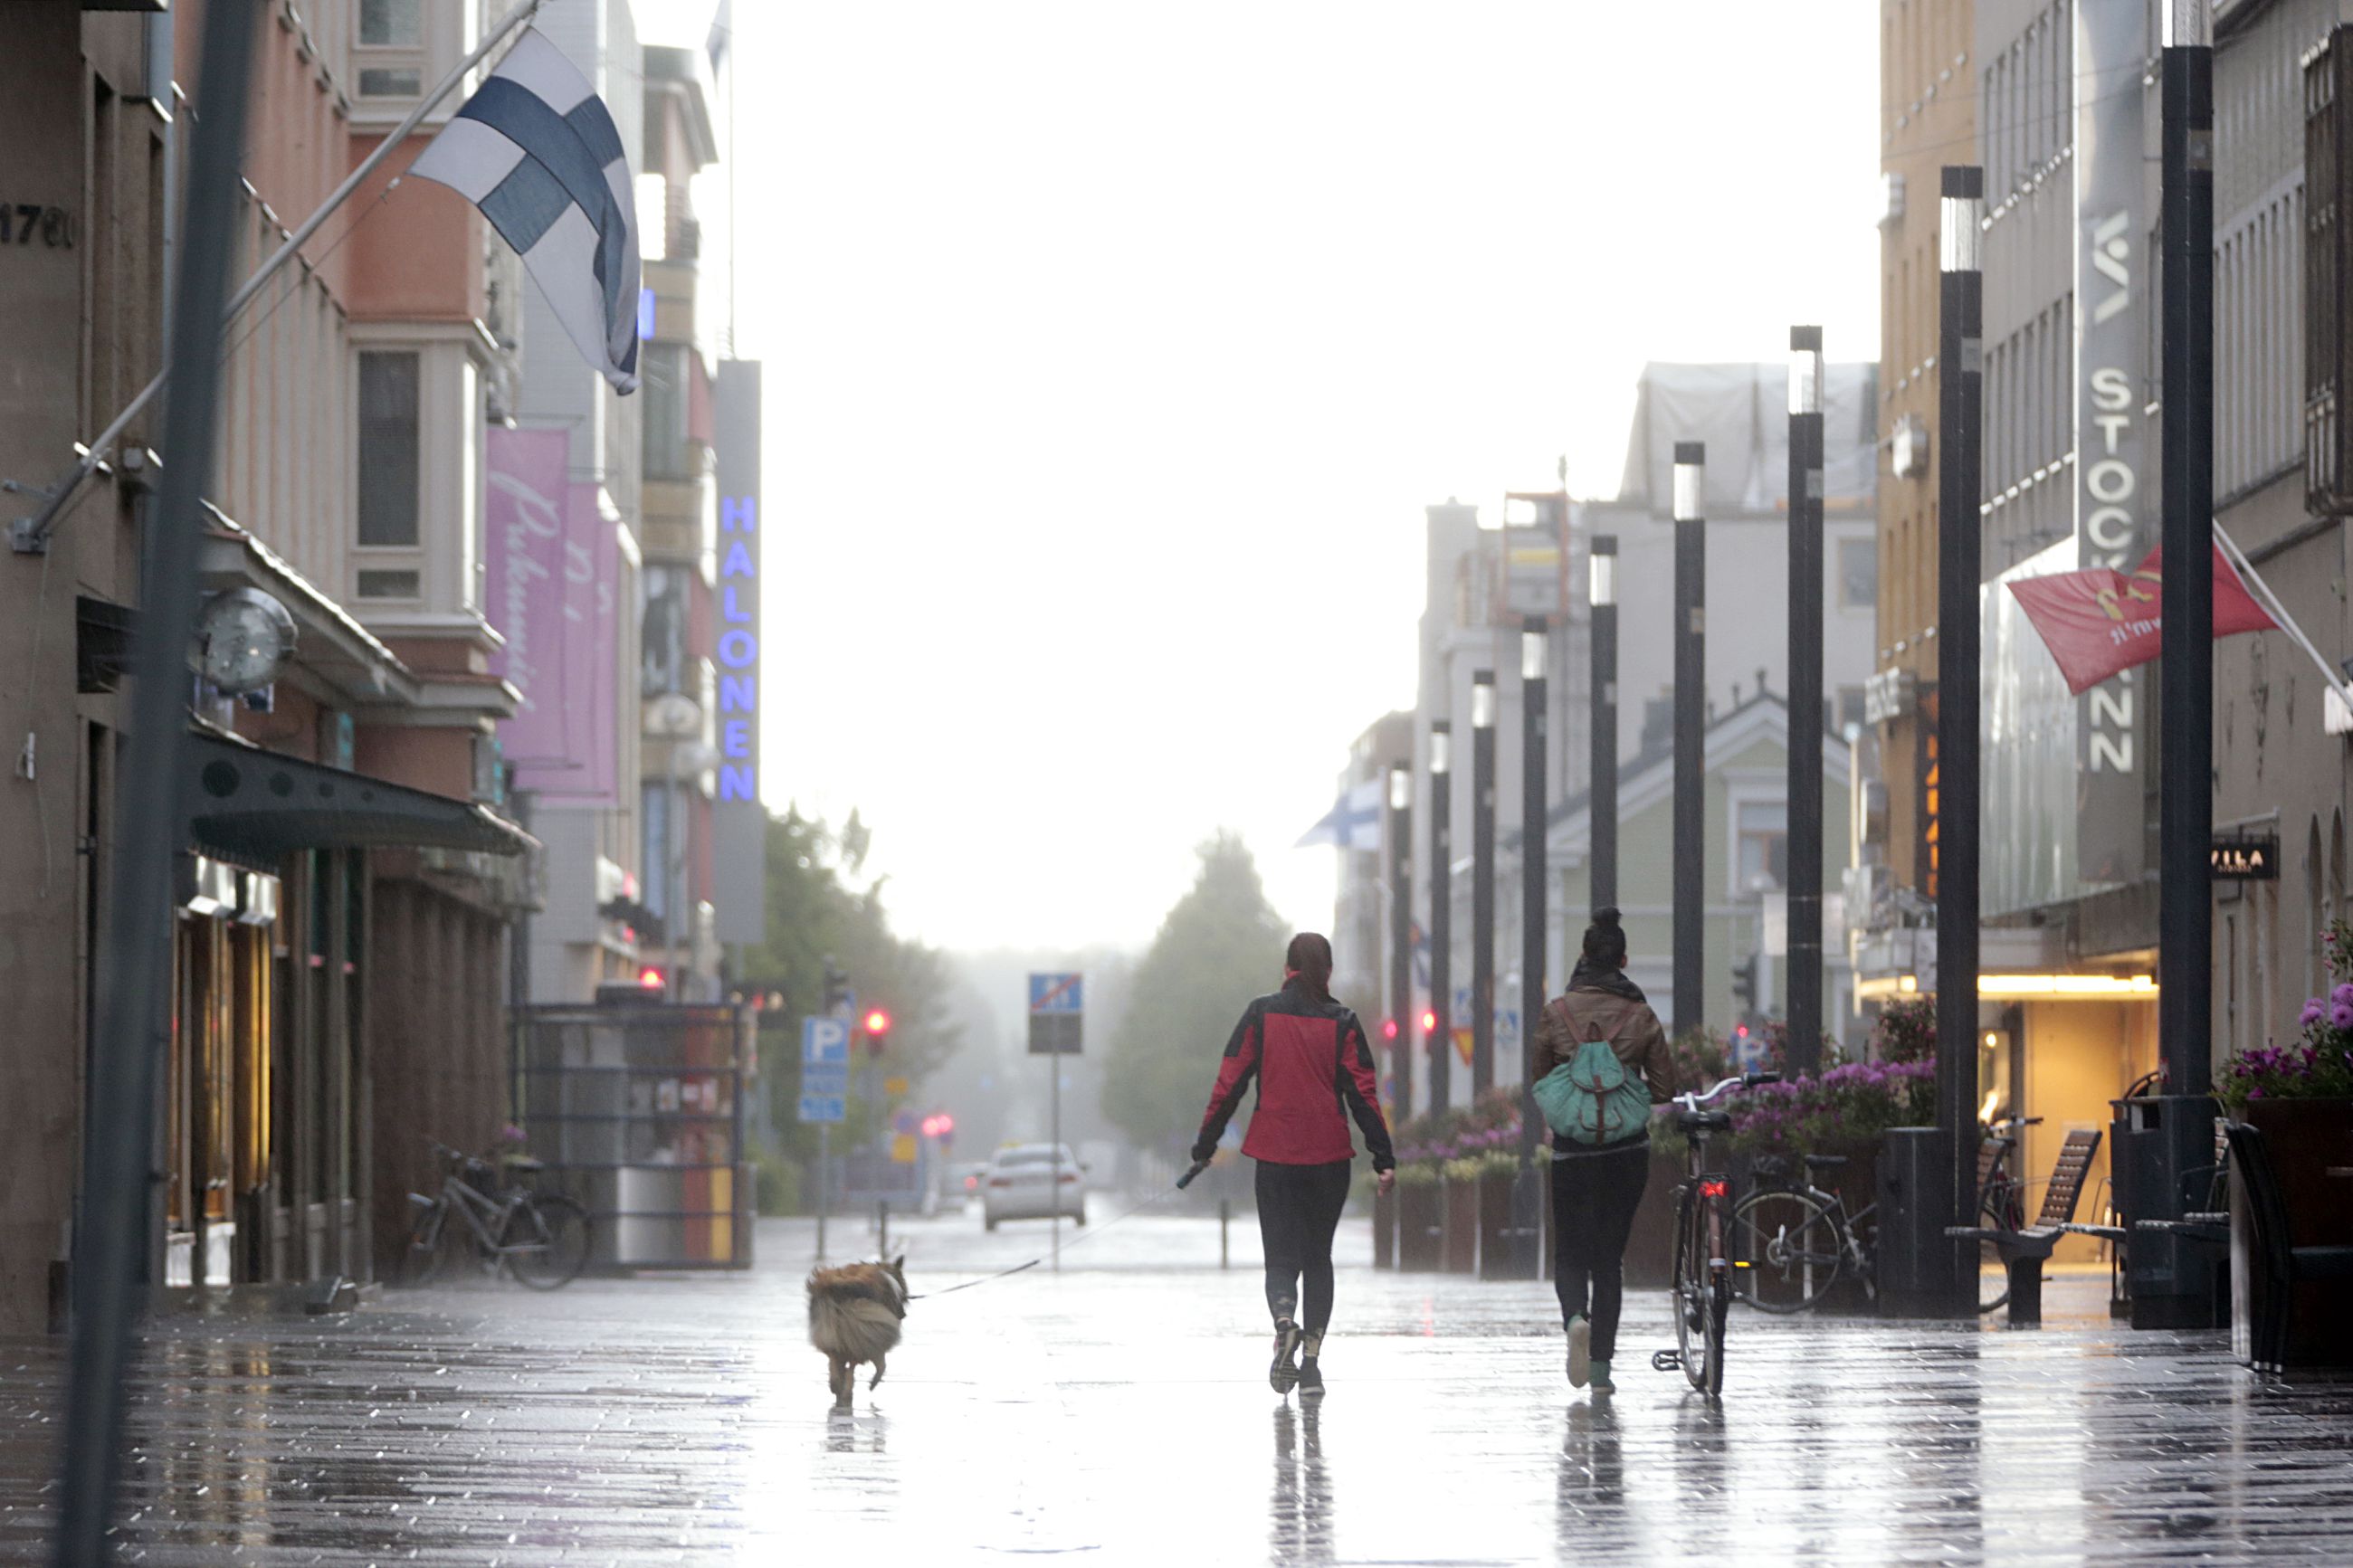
x=1692 y=1100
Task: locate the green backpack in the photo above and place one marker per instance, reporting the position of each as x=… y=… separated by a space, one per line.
x=1592 y=1098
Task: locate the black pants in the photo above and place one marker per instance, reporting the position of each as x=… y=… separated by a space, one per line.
x=1298 y=1209
x=1593 y=1201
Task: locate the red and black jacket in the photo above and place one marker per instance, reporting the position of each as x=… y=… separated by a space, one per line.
x=1314 y=1070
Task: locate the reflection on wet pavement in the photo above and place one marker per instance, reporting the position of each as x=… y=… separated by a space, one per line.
x=1119 y=1412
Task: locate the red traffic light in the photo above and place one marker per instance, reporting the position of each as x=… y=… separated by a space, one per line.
x=1388 y=1029
x=876 y=1022
x=1429 y=1021
x=941 y=1126
x=651 y=978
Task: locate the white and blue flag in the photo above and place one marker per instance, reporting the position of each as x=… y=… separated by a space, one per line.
x=537 y=150
x=1353 y=823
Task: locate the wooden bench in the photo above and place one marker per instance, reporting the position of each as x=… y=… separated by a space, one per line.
x=2024 y=1251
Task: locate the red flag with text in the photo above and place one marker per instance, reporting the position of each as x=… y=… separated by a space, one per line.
x=2100 y=621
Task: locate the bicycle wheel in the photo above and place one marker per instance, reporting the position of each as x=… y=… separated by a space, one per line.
x=1786 y=1250
x=1719 y=1307
x=429 y=1255
x=546 y=1241
x=1998 y=1211
x=1699 y=1326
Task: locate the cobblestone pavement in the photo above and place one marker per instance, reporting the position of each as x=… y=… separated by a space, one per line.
x=1119 y=1412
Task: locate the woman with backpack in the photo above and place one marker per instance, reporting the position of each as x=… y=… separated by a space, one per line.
x=1600 y=1063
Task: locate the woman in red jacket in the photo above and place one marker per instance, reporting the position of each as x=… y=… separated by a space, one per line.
x=1314 y=1070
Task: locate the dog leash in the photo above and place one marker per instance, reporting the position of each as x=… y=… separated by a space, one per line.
x=1092 y=1231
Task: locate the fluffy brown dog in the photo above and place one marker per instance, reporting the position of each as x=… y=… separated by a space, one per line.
x=854 y=1316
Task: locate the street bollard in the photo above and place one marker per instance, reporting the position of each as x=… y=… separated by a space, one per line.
x=1225 y=1214
x=882 y=1226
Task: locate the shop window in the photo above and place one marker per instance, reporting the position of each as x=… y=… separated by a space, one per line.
x=388 y=437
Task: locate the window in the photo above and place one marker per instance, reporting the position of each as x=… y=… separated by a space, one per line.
x=378 y=83
x=394 y=22
x=388 y=448
x=389 y=585
x=662 y=641
x=663 y=389
x=1858 y=581
x=1763 y=828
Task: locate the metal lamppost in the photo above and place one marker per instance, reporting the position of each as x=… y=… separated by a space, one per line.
x=1401 y=936
x=1959 y=392
x=1601 y=794
x=2173 y=1274
x=1527 y=1207
x=1805 y=894
x=1482 y=882
x=1440 y=1043
x=1690 y=883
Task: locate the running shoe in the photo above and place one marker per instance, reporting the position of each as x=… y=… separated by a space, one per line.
x=1581 y=1350
x=1284 y=1373
x=1310 y=1379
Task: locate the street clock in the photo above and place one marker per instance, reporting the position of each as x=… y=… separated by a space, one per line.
x=243 y=638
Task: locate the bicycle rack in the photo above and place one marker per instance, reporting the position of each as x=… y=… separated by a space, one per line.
x=1666 y=1360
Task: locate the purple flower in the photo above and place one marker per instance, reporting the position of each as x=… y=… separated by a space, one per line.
x=2341 y=1014
x=2312 y=1012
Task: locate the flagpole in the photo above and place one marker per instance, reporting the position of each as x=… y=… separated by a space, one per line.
x=30 y=535
x=2278 y=612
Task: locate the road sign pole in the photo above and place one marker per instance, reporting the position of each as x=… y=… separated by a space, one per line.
x=824 y=1149
x=1054 y=1206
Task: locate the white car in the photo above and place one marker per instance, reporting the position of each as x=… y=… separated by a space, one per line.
x=1034 y=1180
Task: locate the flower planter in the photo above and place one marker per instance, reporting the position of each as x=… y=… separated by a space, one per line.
x=1499 y=1256
x=2305 y=1138
x=1385 y=1224
x=1460 y=1242
x=1650 y=1249
x=1421 y=1221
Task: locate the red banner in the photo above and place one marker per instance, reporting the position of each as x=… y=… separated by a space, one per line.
x=2098 y=622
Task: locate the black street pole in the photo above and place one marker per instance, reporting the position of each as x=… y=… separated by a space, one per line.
x=1482 y=882
x=2174 y=1275
x=1440 y=1046
x=1601 y=793
x=127 y=1041
x=1805 y=894
x=1689 y=881
x=1527 y=1207
x=1960 y=399
x=1400 y=1026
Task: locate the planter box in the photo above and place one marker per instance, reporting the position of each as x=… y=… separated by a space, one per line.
x=1498 y=1253
x=1421 y=1227
x=1650 y=1249
x=1461 y=1207
x=1384 y=1222
x=2304 y=1137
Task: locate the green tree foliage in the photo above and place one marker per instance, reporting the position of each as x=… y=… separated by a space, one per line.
x=821 y=906
x=1220 y=946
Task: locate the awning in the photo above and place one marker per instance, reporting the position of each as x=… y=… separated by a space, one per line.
x=247 y=805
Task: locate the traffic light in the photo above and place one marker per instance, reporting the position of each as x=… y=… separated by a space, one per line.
x=1744 y=984
x=1388 y=1029
x=1429 y=1021
x=837 y=990
x=876 y=1023
x=651 y=978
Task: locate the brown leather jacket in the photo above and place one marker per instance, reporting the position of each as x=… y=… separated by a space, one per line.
x=1606 y=1012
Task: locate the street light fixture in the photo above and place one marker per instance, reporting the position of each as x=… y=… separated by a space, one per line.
x=1401 y=931
x=1805 y=759
x=1483 y=881
x=1436 y=1029
x=1601 y=788
x=1691 y=709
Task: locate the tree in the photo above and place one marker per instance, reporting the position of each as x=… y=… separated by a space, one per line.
x=1220 y=946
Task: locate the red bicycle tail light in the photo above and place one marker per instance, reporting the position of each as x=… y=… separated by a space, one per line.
x=1715 y=1189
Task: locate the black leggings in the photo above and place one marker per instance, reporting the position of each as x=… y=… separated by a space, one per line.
x=1594 y=1197
x=1298 y=1209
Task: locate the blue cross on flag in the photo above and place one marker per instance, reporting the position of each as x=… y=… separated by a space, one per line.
x=1353 y=823
x=537 y=152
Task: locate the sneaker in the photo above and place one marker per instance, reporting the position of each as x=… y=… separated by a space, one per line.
x=1284 y=1373
x=1310 y=1379
x=1601 y=1384
x=1581 y=1350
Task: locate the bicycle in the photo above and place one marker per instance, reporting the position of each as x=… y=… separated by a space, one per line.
x=539 y=1238
x=1702 y=1271
x=1796 y=1242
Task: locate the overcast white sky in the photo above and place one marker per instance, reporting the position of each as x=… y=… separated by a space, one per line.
x=1113 y=352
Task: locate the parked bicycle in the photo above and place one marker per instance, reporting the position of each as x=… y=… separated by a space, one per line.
x=539 y=1238
x=1703 y=1264
x=1794 y=1242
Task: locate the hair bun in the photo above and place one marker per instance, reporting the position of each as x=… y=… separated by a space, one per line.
x=1606 y=916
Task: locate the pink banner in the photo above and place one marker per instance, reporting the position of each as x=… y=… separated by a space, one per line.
x=553 y=589
x=2099 y=622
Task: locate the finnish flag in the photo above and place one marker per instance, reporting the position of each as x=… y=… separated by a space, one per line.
x=536 y=149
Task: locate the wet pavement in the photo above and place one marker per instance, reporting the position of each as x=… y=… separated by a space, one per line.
x=1119 y=1412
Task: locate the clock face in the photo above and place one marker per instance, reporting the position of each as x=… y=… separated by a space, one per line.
x=245 y=642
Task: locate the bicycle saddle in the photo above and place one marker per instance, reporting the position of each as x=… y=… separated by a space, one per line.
x=1824 y=1162
x=525 y=1162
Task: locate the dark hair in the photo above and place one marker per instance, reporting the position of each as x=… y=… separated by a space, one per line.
x=1310 y=957
x=1605 y=939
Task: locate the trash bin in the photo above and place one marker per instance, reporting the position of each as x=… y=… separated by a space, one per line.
x=1916 y=1262
x=2161 y=1164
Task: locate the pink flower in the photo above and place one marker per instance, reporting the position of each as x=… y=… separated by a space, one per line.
x=2342 y=1014
x=2312 y=1012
